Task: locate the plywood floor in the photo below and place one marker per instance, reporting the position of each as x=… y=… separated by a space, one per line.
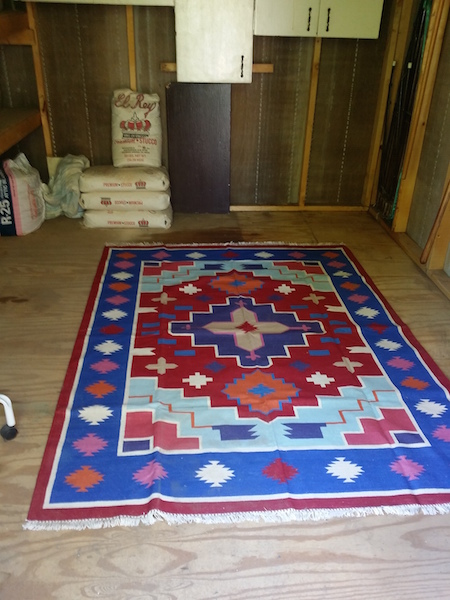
x=45 y=279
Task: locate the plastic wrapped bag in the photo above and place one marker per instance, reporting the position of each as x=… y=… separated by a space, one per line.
x=22 y=208
x=63 y=195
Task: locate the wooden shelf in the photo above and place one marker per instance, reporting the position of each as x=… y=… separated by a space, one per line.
x=18 y=28
x=15 y=124
x=171 y=67
x=14 y=29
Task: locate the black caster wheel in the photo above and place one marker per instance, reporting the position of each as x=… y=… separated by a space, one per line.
x=8 y=433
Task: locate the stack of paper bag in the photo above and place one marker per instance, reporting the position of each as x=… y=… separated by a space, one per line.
x=126 y=197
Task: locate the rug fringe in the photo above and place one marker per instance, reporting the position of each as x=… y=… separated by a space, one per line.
x=218 y=244
x=278 y=516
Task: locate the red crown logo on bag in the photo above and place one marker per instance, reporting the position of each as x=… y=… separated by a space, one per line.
x=135 y=124
x=105 y=201
x=140 y=185
x=143 y=223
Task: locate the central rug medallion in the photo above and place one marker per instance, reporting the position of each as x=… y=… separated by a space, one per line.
x=216 y=383
x=250 y=332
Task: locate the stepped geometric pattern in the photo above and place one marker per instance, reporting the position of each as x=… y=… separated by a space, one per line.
x=223 y=382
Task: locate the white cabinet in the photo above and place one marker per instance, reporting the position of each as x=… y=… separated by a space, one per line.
x=321 y=18
x=286 y=17
x=120 y=2
x=350 y=18
x=214 y=41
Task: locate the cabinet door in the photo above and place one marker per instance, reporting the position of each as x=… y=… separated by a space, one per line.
x=286 y=17
x=214 y=41
x=350 y=18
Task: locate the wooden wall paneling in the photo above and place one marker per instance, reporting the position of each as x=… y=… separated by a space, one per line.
x=84 y=50
x=131 y=47
x=315 y=68
x=106 y=67
x=268 y=125
x=62 y=78
x=35 y=149
x=384 y=102
x=39 y=78
x=334 y=105
x=350 y=72
x=436 y=250
x=17 y=83
x=434 y=161
x=199 y=121
x=246 y=102
x=155 y=43
x=171 y=67
x=4 y=100
x=424 y=93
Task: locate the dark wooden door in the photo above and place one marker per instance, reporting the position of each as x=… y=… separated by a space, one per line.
x=199 y=133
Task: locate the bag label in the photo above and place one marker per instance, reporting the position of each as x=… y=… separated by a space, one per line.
x=136 y=129
x=7 y=223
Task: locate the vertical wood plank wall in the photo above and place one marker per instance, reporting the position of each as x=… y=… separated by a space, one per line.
x=268 y=124
x=85 y=57
x=420 y=113
x=84 y=53
x=84 y=50
x=16 y=88
x=431 y=177
x=349 y=79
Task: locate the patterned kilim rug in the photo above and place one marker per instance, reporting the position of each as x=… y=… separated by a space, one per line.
x=229 y=382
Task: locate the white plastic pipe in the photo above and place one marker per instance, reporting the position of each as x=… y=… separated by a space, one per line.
x=10 y=420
